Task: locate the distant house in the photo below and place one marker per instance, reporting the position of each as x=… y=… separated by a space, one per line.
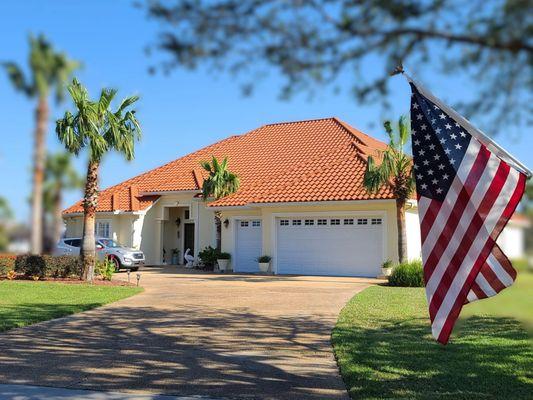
x=301 y=201
x=512 y=239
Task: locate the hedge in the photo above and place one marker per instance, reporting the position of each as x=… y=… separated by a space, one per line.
x=48 y=266
x=408 y=274
x=7 y=263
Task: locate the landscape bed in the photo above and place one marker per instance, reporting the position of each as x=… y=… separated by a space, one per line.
x=23 y=303
x=384 y=348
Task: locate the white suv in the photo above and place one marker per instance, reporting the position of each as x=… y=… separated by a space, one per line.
x=121 y=256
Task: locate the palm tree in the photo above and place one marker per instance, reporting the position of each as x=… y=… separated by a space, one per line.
x=97 y=128
x=5 y=215
x=396 y=170
x=220 y=183
x=60 y=175
x=49 y=69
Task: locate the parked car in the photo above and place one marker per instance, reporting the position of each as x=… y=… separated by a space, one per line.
x=122 y=256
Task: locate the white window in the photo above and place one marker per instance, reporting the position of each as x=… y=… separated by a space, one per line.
x=321 y=221
x=284 y=222
x=348 y=221
x=103 y=229
x=335 y=222
x=309 y=222
x=297 y=222
x=376 y=221
x=244 y=224
x=362 y=221
x=256 y=223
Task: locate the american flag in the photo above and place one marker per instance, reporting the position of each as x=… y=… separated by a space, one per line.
x=467 y=191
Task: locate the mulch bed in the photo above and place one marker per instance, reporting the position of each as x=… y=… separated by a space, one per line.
x=75 y=281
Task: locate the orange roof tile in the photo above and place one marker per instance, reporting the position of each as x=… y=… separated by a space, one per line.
x=315 y=160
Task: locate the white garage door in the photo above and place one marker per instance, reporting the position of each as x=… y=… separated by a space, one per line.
x=248 y=245
x=342 y=246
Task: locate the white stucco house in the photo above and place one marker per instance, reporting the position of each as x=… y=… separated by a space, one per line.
x=301 y=201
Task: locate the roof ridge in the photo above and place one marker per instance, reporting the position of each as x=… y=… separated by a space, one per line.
x=127 y=182
x=365 y=139
x=298 y=121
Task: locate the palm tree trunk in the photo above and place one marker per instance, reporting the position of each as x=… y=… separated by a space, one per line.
x=57 y=217
x=41 y=116
x=90 y=202
x=218 y=224
x=402 y=235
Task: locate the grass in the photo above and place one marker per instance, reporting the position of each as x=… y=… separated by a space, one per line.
x=384 y=347
x=25 y=303
x=514 y=302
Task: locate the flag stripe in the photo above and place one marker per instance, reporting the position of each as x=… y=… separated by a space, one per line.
x=465 y=255
x=475 y=232
x=436 y=260
x=466 y=275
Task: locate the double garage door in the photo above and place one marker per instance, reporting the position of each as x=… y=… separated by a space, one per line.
x=340 y=246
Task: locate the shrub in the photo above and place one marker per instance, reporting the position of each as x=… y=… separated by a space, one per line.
x=106 y=269
x=264 y=259
x=209 y=256
x=387 y=264
x=408 y=274
x=7 y=264
x=224 y=256
x=48 y=266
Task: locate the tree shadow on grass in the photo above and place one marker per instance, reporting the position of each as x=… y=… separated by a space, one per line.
x=488 y=358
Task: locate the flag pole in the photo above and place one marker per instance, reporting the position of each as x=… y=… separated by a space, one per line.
x=475 y=132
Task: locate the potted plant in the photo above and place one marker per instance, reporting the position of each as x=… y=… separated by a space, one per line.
x=223 y=261
x=175 y=257
x=386 y=268
x=264 y=263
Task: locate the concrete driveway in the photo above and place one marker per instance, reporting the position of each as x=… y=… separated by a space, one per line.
x=223 y=336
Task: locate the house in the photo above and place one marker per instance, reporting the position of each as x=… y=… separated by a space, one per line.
x=301 y=201
x=512 y=240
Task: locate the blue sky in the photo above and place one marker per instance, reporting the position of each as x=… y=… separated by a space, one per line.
x=180 y=112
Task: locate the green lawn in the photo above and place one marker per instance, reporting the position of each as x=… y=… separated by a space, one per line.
x=24 y=303
x=384 y=347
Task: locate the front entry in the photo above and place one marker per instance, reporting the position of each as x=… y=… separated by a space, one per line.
x=188 y=237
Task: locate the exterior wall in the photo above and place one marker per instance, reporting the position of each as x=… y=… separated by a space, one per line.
x=158 y=228
x=512 y=241
x=155 y=229
x=120 y=226
x=412 y=227
x=73 y=226
x=268 y=216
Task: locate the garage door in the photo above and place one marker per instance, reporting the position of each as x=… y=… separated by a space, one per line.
x=342 y=246
x=248 y=245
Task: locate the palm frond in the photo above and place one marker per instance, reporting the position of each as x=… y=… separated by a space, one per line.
x=17 y=78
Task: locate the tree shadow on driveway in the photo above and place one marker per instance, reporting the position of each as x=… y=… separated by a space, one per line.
x=230 y=353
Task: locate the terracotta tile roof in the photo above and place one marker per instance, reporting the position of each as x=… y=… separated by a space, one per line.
x=315 y=160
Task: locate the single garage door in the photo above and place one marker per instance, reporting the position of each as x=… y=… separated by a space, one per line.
x=248 y=245
x=342 y=246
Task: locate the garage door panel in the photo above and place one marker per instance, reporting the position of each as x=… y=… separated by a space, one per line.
x=349 y=250
x=249 y=241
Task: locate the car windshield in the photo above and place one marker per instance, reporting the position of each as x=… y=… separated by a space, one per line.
x=110 y=243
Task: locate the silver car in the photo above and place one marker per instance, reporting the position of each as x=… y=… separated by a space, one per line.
x=121 y=256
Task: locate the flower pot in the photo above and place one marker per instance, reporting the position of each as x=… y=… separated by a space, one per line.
x=223 y=264
x=175 y=259
x=386 y=271
x=264 y=267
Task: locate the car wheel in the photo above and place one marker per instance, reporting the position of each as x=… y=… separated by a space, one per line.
x=114 y=260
